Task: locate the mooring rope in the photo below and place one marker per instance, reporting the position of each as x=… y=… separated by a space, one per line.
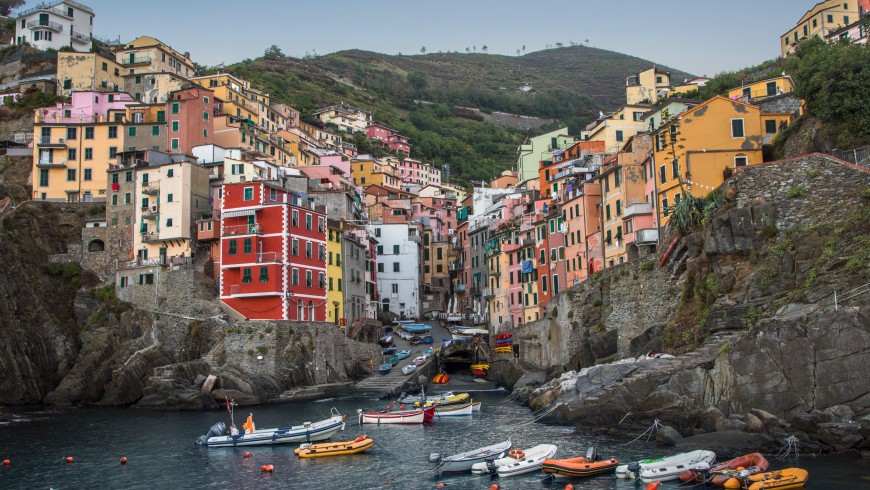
x=656 y=425
x=792 y=445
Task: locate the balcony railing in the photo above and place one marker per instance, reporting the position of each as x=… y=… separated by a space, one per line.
x=150 y=236
x=79 y=37
x=637 y=209
x=647 y=235
x=51 y=26
x=150 y=212
x=459 y=288
x=246 y=229
x=50 y=164
x=141 y=60
x=152 y=187
x=49 y=142
x=45 y=7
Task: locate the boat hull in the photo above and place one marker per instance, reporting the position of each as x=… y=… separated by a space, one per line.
x=462 y=463
x=319 y=431
x=355 y=446
x=399 y=417
x=454 y=410
x=779 y=480
x=578 y=467
x=668 y=468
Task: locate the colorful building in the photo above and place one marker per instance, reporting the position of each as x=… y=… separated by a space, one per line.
x=367 y=171
x=146 y=54
x=56 y=25
x=536 y=149
x=272 y=241
x=616 y=128
x=647 y=86
x=389 y=137
x=762 y=89
x=191 y=115
x=87 y=72
x=345 y=117
x=334 y=272
x=821 y=20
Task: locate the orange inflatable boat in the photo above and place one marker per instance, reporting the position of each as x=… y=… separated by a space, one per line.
x=739 y=467
x=574 y=467
x=773 y=480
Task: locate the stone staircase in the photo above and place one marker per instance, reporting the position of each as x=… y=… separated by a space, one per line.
x=393 y=382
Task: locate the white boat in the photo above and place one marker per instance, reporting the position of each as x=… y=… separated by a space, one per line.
x=665 y=469
x=475 y=406
x=439 y=398
x=419 y=361
x=408 y=369
x=307 y=432
x=462 y=462
x=454 y=410
x=517 y=462
x=417 y=416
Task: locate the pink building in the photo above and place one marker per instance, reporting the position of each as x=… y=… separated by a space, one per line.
x=389 y=137
x=86 y=107
x=190 y=115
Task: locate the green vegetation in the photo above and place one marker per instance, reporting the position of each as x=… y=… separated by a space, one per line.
x=725 y=348
x=797 y=191
x=834 y=80
x=753 y=315
x=647 y=266
x=691 y=212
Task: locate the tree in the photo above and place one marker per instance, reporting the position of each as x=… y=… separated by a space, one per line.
x=484 y=48
x=467 y=49
x=423 y=50
x=6 y=6
x=417 y=81
x=524 y=48
x=273 y=52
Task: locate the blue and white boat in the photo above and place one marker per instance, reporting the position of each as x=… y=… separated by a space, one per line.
x=385 y=368
x=251 y=436
x=416 y=328
x=402 y=354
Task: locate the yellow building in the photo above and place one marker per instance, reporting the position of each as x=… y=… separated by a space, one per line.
x=234 y=132
x=615 y=129
x=87 y=72
x=334 y=274
x=646 y=86
x=762 y=89
x=824 y=18
x=623 y=195
x=168 y=198
x=367 y=171
x=345 y=117
x=695 y=152
x=233 y=91
x=146 y=54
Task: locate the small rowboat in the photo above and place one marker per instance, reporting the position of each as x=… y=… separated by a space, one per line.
x=408 y=369
x=417 y=416
x=386 y=341
x=357 y=445
x=420 y=361
x=576 y=467
x=453 y=410
x=385 y=368
x=403 y=354
x=462 y=462
x=774 y=480
x=389 y=351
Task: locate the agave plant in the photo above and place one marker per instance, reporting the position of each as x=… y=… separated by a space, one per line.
x=693 y=212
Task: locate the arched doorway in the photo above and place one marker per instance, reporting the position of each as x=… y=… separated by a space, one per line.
x=96 y=246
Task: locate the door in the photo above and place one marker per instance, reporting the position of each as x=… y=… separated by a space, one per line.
x=335 y=314
x=132 y=57
x=162 y=255
x=43 y=19
x=386 y=305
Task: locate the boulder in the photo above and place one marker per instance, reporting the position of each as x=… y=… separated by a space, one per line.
x=840 y=413
x=241 y=399
x=809 y=422
x=668 y=436
x=728 y=444
x=729 y=424
x=709 y=418
x=769 y=420
x=840 y=436
x=753 y=423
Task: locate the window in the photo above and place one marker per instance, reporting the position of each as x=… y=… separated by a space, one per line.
x=307 y=221
x=295 y=248
x=131 y=131
x=89 y=153
x=113 y=132
x=830 y=19
x=771 y=88
x=232 y=250
x=294 y=277
x=128 y=198
x=380 y=267
x=662 y=175
x=71 y=133
x=308 y=252
x=170 y=172
x=770 y=126
x=396 y=267
x=737 y=128
x=741 y=161
x=249 y=194
x=87 y=174
x=619 y=136
x=264 y=274
x=246 y=246
x=71 y=154
x=339 y=284
x=89 y=133
x=168 y=222
x=619 y=207
x=205 y=116
x=607 y=213
x=395 y=250
x=378 y=233
x=70 y=174
x=155 y=130
x=309 y=281
x=175 y=107
x=175 y=126
x=544 y=283
x=617 y=177
x=246 y=275
x=675 y=168
x=665 y=209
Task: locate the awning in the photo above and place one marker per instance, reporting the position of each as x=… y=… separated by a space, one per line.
x=238 y=212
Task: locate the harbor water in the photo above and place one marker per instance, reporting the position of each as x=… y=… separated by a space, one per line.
x=161 y=453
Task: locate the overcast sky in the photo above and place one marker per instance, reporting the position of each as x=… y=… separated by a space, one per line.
x=702 y=37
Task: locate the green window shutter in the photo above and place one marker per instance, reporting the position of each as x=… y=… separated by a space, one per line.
x=246 y=275
x=232 y=247
x=264 y=274
x=246 y=248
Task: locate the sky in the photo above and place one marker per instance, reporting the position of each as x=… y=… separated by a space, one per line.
x=702 y=37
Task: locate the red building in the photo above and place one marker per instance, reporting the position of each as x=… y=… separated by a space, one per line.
x=191 y=118
x=273 y=253
x=389 y=137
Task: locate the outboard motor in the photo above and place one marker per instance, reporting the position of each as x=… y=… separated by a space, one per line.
x=634 y=467
x=591 y=454
x=490 y=466
x=217 y=429
x=434 y=457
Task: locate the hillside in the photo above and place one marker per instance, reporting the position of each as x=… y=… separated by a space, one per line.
x=569 y=84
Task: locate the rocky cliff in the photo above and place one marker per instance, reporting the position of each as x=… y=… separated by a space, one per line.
x=747 y=306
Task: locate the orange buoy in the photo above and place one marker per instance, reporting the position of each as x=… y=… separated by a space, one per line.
x=733 y=483
x=494 y=486
x=517 y=454
x=440 y=485
x=402 y=406
x=247 y=454
x=6 y=462
x=569 y=487
x=123 y=459
x=270 y=468
x=68 y=459
x=654 y=485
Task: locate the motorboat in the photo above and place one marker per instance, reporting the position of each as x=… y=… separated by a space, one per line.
x=402 y=354
x=340 y=448
x=581 y=466
x=419 y=361
x=217 y=435
x=389 y=351
x=441 y=398
x=408 y=369
x=739 y=467
x=462 y=462
x=517 y=462
x=415 y=416
x=665 y=469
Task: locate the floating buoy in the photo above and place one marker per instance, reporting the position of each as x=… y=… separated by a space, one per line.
x=394 y=402
x=270 y=468
x=247 y=454
x=68 y=459
x=402 y=406
x=654 y=485
x=6 y=462
x=494 y=486
x=569 y=487
x=732 y=483
x=440 y=485
x=123 y=459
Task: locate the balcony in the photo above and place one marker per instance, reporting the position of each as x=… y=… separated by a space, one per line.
x=487 y=293
x=243 y=260
x=207 y=229
x=150 y=237
x=141 y=60
x=246 y=229
x=647 y=235
x=80 y=38
x=459 y=288
x=49 y=142
x=50 y=164
x=637 y=209
x=46 y=7
x=151 y=212
x=151 y=187
x=495 y=273
x=48 y=25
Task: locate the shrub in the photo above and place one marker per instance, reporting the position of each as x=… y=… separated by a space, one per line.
x=753 y=315
x=797 y=191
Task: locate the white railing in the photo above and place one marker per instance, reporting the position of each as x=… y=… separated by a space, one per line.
x=637 y=208
x=247 y=229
